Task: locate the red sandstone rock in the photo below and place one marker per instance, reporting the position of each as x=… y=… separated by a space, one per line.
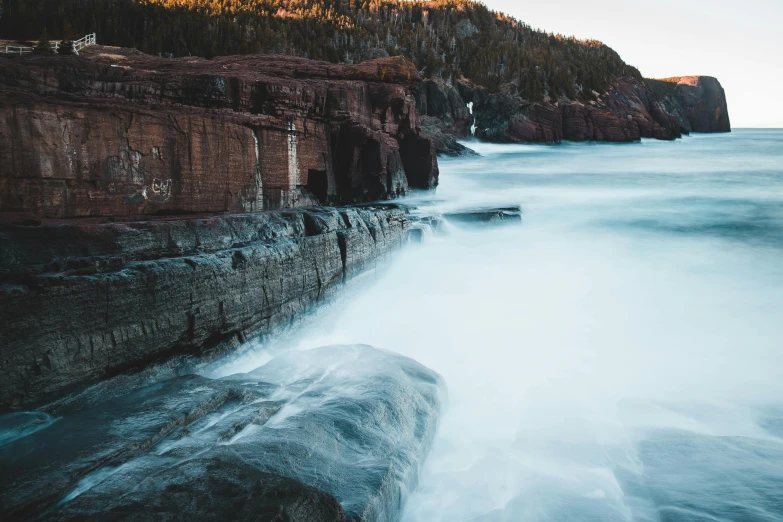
x=118 y=133
x=631 y=110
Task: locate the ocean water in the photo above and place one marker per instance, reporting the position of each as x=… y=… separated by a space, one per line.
x=618 y=356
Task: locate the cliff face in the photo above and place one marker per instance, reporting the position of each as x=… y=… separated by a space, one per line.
x=631 y=110
x=119 y=133
x=698 y=102
x=82 y=301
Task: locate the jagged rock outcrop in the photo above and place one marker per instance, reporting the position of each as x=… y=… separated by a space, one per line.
x=631 y=110
x=444 y=140
x=82 y=301
x=441 y=100
x=697 y=102
x=445 y=116
x=114 y=132
x=627 y=113
x=331 y=434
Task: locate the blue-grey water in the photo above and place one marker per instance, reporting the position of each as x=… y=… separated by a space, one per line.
x=616 y=357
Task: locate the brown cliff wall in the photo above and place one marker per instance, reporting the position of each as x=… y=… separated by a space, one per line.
x=698 y=102
x=118 y=133
x=628 y=112
x=631 y=110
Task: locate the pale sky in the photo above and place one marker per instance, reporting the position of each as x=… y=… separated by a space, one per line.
x=738 y=42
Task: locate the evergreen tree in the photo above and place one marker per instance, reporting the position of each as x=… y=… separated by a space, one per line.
x=66 y=44
x=44 y=46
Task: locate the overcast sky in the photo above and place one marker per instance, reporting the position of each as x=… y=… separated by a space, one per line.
x=738 y=42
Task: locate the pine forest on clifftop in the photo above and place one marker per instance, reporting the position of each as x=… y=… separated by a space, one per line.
x=446 y=39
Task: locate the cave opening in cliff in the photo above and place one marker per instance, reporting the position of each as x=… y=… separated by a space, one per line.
x=318 y=184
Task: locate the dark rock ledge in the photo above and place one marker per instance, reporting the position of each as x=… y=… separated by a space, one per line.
x=112 y=322
x=511 y=214
x=81 y=302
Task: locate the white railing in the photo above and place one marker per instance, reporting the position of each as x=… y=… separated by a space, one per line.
x=16 y=49
x=78 y=45
x=83 y=42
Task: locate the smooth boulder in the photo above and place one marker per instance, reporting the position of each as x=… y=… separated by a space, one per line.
x=325 y=434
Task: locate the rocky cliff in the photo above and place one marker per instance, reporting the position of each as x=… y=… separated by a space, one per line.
x=120 y=140
x=83 y=301
x=115 y=132
x=630 y=110
x=698 y=102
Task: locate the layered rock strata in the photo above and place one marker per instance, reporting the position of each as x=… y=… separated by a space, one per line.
x=82 y=301
x=114 y=132
x=331 y=434
x=631 y=110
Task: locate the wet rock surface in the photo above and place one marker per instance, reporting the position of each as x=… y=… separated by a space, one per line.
x=335 y=433
x=512 y=214
x=442 y=138
x=82 y=301
x=209 y=489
